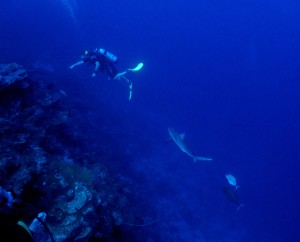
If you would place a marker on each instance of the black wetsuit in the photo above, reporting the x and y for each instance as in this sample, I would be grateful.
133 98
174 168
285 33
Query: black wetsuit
106 66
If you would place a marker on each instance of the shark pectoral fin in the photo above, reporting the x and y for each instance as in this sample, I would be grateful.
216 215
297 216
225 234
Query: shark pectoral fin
196 158
182 136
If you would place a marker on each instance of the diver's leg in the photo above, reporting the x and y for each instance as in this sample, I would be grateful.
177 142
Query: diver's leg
130 86
121 75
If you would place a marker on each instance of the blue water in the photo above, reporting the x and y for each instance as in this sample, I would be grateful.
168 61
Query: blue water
225 73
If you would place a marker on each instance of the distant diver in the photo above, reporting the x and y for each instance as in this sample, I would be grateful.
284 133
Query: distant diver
105 61
178 139
232 196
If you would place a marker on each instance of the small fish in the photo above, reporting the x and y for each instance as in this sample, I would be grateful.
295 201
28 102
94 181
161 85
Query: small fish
231 180
232 196
178 139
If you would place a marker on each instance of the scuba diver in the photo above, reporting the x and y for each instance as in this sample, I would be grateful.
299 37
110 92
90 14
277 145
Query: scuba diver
105 61
232 196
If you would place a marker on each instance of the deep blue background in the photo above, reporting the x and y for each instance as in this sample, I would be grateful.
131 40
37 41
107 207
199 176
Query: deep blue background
225 73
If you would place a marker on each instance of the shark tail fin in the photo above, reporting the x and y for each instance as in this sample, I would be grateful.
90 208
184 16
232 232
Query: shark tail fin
196 158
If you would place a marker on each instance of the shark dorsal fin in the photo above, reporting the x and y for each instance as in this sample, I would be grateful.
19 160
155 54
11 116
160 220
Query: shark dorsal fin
182 136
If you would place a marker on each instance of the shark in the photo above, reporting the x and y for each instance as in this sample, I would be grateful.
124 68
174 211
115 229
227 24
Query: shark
71 7
178 139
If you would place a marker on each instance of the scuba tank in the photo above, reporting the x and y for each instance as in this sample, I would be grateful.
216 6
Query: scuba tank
112 58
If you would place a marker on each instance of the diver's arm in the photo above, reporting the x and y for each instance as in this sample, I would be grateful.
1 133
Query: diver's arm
97 65
76 64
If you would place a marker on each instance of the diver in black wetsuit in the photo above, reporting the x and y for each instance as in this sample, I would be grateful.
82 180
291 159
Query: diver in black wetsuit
105 61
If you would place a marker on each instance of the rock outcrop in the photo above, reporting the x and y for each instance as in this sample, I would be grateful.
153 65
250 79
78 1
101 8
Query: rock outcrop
11 73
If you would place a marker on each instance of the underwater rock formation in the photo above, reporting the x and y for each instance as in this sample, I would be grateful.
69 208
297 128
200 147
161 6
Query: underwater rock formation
52 160
11 73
